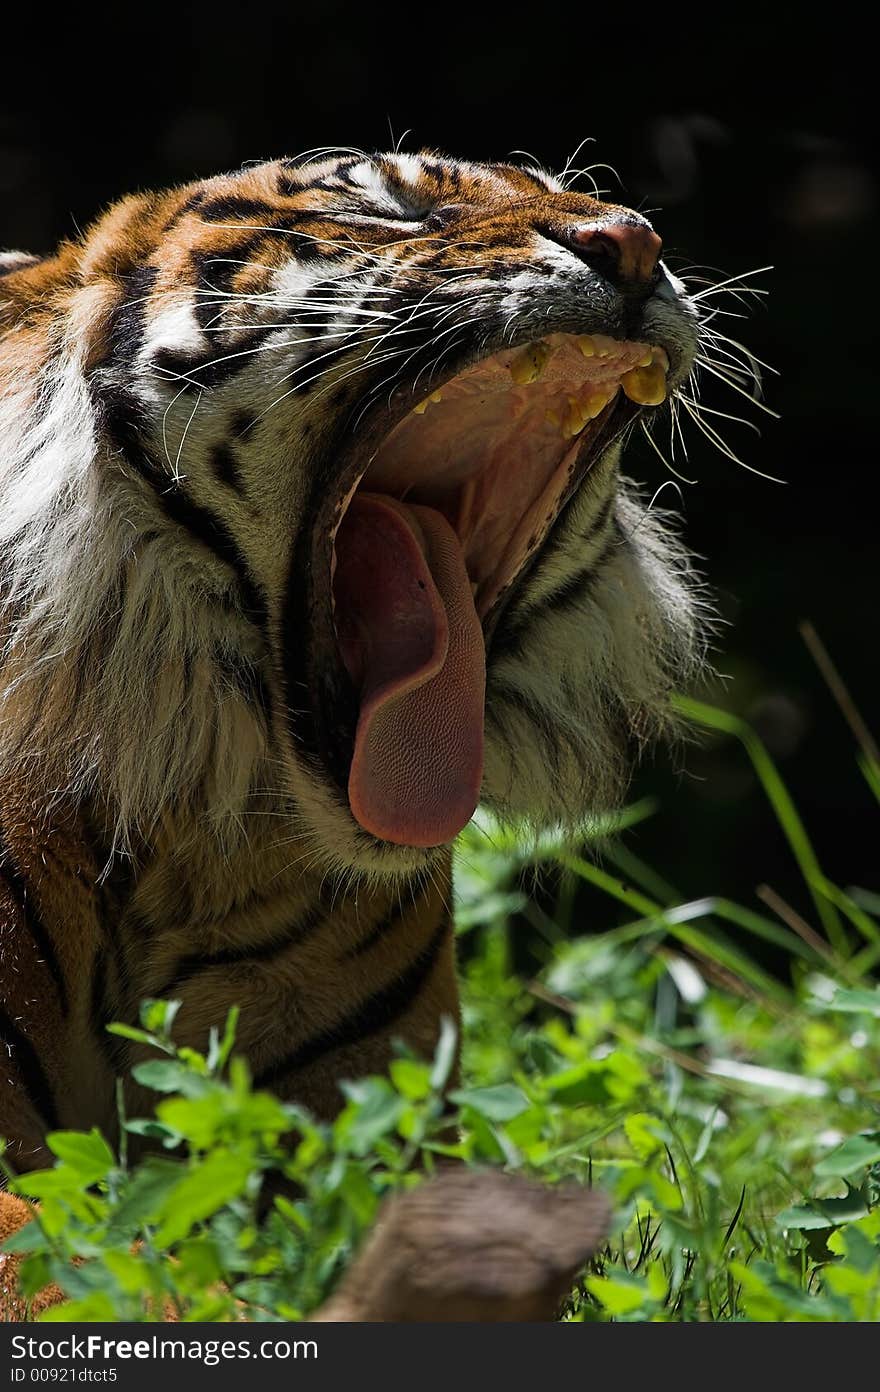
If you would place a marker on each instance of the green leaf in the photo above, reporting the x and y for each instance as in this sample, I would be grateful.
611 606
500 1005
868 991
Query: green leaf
824 1213
372 1113
585 1083
500 1103
855 1154
645 1133
200 1121
803 1217
619 1294
855 1002
209 1185
359 1194
411 1078
139 1036
157 1016
143 1196
219 1050
30 1238
87 1155
97 1308
169 1075
445 1054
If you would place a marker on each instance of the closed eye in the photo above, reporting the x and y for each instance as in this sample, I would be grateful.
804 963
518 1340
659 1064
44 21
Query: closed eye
400 220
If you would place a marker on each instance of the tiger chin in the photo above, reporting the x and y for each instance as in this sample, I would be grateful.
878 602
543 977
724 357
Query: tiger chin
312 536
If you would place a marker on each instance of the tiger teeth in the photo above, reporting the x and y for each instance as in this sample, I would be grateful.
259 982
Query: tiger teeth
659 355
644 383
597 401
573 421
646 386
530 363
597 345
605 346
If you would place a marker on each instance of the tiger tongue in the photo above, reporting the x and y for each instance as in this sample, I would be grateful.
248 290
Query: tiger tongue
411 641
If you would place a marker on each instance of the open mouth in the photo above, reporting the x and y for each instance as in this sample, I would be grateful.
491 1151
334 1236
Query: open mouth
427 543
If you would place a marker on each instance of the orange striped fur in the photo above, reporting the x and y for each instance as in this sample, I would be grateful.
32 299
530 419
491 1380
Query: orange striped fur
180 390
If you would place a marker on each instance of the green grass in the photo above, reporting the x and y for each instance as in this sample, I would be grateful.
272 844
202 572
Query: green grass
734 1116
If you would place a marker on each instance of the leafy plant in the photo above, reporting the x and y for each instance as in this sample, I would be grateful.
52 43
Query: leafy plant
734 1117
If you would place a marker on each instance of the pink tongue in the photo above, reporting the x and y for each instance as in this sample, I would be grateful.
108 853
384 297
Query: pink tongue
411 640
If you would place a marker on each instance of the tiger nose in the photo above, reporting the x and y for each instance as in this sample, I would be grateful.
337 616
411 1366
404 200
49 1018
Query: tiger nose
625 252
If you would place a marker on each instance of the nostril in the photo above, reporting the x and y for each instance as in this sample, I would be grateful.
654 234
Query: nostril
599 251
626 253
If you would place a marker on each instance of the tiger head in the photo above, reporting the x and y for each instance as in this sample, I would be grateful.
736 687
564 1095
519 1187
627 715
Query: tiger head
311 503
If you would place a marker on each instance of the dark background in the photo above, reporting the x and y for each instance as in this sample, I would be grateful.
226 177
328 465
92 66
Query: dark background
748 138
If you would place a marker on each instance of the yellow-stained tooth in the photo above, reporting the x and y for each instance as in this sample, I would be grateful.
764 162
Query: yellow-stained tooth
528 367
604 345
421 408
438 396
646 386
659 355
595 403
587 346
576 418
646 359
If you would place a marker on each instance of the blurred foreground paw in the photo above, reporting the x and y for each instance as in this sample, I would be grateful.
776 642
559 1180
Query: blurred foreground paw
472 1246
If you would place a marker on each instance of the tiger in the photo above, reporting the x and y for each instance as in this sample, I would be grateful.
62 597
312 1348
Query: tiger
313 536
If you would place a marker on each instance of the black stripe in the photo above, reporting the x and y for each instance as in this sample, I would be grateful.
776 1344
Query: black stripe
126 329
214 367
571 593
575 589
23 899
600 521
24 1056
207 528
196 962
376 1013
381 929
102 1013
123 421
213 273
552 739
233 205
247 679
242 423
226 467
189 205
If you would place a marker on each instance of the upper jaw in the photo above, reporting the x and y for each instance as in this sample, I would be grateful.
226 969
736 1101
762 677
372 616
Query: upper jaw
333 699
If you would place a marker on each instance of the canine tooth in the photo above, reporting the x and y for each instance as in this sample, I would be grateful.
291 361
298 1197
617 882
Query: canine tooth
660 356
528 367
646 359
605 346
587 346
595 404
575 419
646 386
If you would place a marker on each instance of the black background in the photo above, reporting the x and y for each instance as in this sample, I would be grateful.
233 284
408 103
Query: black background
746 135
